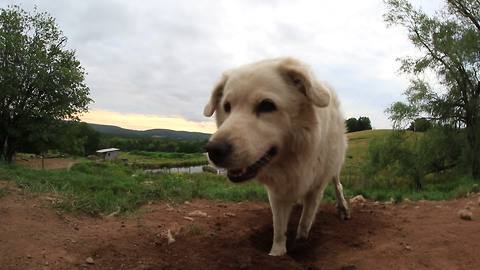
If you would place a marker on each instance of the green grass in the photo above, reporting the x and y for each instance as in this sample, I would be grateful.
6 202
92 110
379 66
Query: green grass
357 153
104 187
443 188
157 160
3 192
438 187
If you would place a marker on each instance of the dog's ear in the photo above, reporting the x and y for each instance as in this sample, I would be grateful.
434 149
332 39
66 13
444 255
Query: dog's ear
299 75
217 93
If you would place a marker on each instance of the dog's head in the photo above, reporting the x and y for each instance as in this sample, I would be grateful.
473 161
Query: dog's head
258 108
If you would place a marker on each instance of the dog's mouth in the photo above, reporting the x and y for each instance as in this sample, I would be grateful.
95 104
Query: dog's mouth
243 174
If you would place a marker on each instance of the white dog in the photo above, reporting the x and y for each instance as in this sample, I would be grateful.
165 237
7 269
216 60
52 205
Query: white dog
278 124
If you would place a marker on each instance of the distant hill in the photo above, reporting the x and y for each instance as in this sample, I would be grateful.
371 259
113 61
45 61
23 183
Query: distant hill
161 133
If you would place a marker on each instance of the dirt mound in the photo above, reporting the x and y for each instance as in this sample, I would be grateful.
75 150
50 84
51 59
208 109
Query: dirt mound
421 235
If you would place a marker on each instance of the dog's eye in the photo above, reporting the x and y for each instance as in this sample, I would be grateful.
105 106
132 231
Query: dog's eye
266 106
227 107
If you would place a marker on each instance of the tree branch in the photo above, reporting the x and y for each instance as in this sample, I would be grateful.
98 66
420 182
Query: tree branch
462 9
442 61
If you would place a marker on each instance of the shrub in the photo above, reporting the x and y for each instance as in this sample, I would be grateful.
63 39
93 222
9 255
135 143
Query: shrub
411 157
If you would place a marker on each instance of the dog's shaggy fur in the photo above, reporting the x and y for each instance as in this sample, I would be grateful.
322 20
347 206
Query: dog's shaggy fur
280 125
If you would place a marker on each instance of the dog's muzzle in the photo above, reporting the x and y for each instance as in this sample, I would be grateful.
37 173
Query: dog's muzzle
243 174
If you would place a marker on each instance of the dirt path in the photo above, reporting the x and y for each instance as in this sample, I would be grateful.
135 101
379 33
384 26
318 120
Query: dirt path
423 235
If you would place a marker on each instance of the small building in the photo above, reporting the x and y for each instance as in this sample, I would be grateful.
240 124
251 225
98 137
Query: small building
109 153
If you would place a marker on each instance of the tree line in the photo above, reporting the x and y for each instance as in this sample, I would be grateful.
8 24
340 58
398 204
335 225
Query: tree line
151 144
80 139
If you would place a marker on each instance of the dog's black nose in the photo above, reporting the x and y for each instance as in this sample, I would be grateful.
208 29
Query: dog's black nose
218 152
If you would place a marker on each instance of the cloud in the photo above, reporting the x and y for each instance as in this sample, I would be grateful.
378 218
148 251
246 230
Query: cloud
163 57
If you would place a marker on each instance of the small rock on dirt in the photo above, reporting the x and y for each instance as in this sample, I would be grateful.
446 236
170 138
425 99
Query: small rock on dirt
188 218
89 260
465 214
197 213
174 228
170 238
114 213
229 214
358 199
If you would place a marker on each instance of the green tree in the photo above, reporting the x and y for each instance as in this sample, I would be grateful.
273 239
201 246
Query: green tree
395 156
420 125
449 45
351 124
41 81
75 138
362 123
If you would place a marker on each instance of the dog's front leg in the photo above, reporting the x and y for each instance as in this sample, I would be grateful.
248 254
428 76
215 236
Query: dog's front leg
281 213
342 205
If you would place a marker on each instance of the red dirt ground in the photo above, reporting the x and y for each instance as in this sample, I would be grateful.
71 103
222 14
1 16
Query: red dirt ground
421 235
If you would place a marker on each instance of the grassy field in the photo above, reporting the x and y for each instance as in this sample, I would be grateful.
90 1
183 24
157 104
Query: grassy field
102 188
97 188
437 187
357 153
157 160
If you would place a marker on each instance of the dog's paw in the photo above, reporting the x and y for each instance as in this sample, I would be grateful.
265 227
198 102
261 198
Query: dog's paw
301 238
343 212
299 246
302 235
278 251
300 242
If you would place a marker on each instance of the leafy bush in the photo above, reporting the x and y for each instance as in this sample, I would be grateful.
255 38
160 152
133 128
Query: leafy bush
406 156
420 125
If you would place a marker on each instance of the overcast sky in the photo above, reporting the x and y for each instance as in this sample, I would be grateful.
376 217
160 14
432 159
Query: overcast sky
152 64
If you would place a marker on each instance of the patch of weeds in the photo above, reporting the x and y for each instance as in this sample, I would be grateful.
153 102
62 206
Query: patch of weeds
3 192
194 229
398 198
